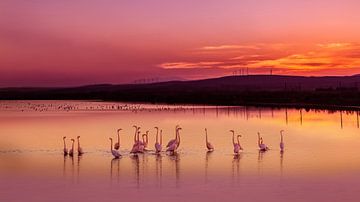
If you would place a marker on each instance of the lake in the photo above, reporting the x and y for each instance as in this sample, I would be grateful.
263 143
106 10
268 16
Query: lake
321 160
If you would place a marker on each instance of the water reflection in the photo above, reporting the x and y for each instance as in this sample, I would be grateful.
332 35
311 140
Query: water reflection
207 156
136 164
115 162
175 158
261 155
281 163
158 169
236 167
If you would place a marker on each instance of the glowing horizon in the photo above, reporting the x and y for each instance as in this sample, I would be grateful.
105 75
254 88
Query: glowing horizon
54 43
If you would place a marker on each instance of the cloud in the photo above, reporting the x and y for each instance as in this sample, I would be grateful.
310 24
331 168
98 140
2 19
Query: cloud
283 58
188 65
227 47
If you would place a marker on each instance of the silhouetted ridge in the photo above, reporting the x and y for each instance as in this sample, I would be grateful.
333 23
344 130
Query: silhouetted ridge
229 90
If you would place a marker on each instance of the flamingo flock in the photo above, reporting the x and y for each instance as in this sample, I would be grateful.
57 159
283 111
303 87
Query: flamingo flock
71 151
140 145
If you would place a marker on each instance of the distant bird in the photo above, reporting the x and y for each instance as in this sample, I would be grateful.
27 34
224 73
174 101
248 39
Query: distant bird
145 141
237 146
65 149
115 153
71 152
138 146
117 145
80 151
158 145
209 146
282 145
261 144
175 144
173 140
135 145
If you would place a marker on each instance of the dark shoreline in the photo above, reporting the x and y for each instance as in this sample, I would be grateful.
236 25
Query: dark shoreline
328 93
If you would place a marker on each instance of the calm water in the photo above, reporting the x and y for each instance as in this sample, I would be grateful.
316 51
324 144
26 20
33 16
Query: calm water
321 159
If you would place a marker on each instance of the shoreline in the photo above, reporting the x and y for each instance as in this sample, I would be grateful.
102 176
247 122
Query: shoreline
305 106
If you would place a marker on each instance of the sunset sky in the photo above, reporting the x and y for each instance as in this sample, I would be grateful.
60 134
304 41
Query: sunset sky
64 43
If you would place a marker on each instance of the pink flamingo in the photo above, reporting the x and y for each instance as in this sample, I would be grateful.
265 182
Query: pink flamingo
145 141
135 145
117 145
115 153
158 146
71 152
138 147
65 149
261 144
173 140
282 145
209 146
80 151
172 148
237 146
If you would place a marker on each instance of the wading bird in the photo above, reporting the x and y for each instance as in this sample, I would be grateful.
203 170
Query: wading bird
145 141
261 144
237 146
158 145
175 144
209 146
80 151
71 152
173 140
282 145
115 153
117 145
65 149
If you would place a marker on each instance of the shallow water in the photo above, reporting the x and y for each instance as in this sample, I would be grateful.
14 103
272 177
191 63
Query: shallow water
321 160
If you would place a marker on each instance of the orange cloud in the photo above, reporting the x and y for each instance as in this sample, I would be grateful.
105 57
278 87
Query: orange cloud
284 58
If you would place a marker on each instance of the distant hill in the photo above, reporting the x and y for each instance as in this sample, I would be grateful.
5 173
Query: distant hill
230 90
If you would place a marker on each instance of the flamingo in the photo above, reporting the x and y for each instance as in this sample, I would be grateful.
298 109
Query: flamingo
209 146
282 146
261 144
71 152
172 148
138 146
65 149
237 146
158 146
145 141
80 151
115 153
173 140
117 145
136 129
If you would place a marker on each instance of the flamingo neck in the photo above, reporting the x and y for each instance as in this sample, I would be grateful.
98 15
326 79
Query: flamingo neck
160 137
135 135
111 142
118 137
157 134
206 137
233 138
178 134
72 147
64 144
